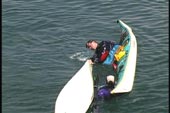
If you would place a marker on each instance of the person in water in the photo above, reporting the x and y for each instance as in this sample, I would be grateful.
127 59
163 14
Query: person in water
104 92
102 50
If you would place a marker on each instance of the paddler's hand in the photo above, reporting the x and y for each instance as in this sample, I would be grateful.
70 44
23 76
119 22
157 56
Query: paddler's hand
90 62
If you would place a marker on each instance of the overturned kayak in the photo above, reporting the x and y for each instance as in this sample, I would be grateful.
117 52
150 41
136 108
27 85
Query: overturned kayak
78 94
125 64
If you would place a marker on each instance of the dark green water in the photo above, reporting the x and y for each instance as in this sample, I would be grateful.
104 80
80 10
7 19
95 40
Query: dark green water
43 46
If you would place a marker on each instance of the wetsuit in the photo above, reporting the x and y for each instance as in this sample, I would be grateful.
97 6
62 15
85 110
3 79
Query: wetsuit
102 51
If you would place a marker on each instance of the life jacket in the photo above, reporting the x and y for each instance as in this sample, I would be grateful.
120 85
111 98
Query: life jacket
119 53
104 55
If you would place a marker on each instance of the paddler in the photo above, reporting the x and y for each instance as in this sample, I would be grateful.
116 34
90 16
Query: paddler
102 50
104 91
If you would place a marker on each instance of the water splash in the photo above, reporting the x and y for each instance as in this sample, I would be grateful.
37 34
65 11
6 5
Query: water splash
81 56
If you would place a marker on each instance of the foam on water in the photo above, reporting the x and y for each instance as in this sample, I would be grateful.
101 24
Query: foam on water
81 56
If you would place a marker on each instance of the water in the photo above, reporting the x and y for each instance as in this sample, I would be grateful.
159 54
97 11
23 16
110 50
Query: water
43 46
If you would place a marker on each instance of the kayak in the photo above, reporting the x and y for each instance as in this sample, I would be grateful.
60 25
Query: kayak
77 95
125 64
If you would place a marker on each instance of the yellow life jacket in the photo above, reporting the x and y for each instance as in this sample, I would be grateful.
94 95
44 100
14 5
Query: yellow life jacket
119 53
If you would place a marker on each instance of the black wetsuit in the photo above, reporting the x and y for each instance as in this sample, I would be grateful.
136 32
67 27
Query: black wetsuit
102 51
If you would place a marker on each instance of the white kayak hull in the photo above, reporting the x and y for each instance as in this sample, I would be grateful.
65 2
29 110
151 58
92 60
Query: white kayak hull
78 93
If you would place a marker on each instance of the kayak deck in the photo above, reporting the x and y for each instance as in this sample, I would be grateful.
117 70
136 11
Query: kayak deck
127 65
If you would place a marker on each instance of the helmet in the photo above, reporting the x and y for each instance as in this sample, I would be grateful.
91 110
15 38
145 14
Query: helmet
110 78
